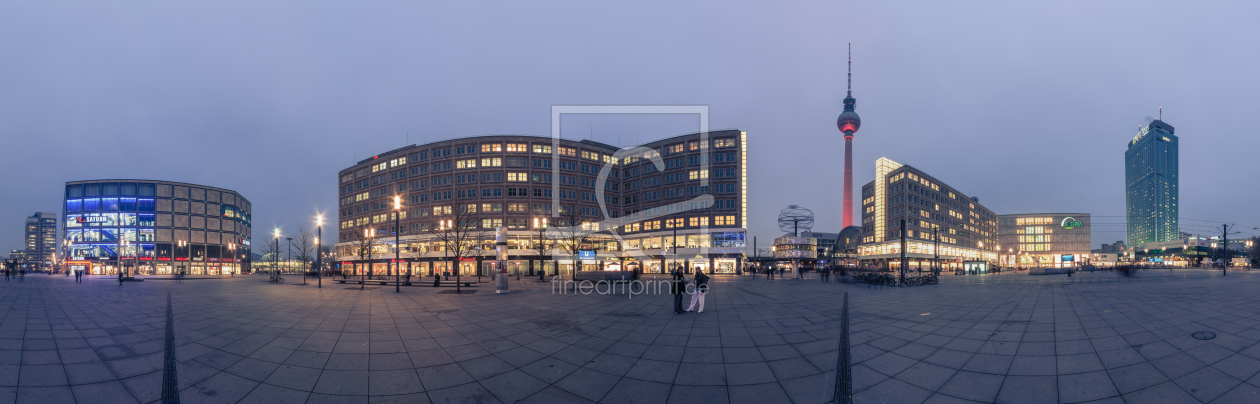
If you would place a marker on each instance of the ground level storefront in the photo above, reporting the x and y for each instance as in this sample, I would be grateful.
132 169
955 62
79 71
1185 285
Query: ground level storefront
148 267
526 266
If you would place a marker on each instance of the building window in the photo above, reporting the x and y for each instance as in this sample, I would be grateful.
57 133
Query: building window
492 162
491 148
540 149
699 221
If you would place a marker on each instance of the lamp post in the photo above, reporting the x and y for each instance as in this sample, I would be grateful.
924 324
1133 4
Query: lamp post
319 252
122 256
232 248
397 248
65 253
181 244
288 262
275 254
540 229
370 234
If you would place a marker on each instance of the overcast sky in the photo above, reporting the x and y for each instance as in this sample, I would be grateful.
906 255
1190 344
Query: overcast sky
1026 105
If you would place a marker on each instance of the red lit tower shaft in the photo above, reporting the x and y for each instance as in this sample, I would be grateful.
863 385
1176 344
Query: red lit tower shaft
848 182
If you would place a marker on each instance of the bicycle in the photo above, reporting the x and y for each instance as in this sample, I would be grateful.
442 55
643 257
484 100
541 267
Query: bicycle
276 278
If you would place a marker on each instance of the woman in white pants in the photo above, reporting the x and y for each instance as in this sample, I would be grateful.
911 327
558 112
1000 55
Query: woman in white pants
702 287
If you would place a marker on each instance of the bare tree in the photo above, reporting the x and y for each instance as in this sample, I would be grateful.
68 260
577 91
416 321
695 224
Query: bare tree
361 245
571 232
460 235
269 248
304 246
540 234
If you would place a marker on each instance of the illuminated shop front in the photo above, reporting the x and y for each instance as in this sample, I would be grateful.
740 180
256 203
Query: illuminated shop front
1044 240
155 228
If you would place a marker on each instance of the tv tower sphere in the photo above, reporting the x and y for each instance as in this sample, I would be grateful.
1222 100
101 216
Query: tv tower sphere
848 122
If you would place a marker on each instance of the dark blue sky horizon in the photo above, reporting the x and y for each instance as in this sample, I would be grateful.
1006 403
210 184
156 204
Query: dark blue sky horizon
1027 106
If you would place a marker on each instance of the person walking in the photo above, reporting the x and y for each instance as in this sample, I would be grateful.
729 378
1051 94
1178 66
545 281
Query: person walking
6 274
697 294
676 287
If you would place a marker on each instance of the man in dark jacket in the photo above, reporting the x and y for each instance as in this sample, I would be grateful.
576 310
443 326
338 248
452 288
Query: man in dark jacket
676 287
702 287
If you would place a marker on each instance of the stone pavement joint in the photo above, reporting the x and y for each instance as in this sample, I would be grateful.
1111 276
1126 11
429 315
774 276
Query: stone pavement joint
999 338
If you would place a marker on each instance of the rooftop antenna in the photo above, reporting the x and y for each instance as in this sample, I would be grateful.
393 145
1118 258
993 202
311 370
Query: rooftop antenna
850 69
1161 114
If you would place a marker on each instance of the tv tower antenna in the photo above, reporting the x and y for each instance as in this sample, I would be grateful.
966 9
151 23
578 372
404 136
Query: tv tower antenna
851 70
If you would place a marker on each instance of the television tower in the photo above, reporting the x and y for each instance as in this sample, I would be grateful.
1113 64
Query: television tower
848 124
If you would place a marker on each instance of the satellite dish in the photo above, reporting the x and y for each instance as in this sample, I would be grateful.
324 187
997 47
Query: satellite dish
795 219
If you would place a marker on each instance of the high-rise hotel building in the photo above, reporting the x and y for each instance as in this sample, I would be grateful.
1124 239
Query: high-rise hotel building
934 214
40 241
1150 175
686 191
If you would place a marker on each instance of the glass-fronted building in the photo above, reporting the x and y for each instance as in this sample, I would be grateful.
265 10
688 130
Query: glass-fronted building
934 214
154 227
1041 240
638 203
1150 174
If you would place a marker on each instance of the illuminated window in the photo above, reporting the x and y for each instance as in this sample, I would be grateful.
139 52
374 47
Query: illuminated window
724 220
491 223
698 174
491 148
471 163
724 143
518 177
540 149
678 148
693 146
567 151
492 162
517 147
517 207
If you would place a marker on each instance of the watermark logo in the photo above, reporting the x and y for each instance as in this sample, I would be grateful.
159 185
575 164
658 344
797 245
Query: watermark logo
612 219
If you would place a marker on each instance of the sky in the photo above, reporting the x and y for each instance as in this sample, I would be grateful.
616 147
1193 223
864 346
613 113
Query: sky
1026 105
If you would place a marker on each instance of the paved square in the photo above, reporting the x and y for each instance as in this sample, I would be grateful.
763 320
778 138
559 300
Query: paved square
995 338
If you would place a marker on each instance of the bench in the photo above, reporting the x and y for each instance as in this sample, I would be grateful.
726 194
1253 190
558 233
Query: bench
467 284
404 281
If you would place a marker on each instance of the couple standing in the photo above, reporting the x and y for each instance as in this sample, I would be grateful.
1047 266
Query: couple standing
679 286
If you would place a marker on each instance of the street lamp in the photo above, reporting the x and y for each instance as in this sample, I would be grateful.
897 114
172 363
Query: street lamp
65 253
275 254
319 253
540 228
397 248
181 244
232 248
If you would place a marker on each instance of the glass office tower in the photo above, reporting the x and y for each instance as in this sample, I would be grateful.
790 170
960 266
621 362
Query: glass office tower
1150 171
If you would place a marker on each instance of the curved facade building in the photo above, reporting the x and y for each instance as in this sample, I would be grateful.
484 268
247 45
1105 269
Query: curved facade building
154 228
641 202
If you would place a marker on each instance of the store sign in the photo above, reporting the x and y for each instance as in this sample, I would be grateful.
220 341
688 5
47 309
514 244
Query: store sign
1070 223
587 254
1068 257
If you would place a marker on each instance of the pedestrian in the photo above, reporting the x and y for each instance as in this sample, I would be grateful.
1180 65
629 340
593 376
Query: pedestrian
120 278
676 287
697 293
6 274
